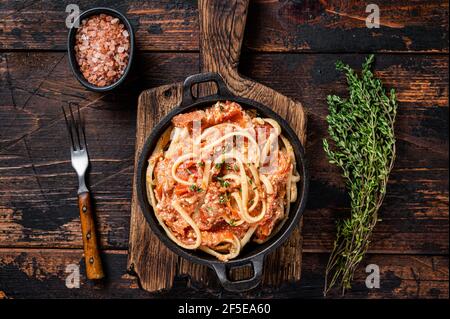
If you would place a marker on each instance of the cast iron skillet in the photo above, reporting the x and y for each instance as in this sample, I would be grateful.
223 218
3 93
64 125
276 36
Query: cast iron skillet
252 254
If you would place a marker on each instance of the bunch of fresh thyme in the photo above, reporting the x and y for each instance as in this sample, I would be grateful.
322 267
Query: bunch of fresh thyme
362 129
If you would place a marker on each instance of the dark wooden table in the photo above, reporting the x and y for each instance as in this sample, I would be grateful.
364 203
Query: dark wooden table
290 46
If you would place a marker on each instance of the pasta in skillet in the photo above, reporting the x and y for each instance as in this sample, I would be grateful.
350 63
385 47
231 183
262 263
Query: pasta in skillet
221 177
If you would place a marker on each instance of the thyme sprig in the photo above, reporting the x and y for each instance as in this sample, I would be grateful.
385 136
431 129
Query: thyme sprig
362 129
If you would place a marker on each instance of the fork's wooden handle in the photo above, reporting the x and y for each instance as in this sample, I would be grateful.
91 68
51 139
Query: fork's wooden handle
94 268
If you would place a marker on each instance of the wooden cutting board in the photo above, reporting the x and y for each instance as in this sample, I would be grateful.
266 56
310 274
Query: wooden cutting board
222 25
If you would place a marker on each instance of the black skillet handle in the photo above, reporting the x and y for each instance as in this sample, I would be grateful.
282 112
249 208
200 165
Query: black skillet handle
240 285
222 90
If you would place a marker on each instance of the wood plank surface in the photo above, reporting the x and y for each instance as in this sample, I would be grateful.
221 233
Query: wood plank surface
41 273
273 26
39 226
37 184
149 259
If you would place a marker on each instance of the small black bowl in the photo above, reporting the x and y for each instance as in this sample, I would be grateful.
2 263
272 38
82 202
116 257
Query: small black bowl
71 48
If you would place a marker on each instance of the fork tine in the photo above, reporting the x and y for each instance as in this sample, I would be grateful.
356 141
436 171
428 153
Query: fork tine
69 129
81 126
77 133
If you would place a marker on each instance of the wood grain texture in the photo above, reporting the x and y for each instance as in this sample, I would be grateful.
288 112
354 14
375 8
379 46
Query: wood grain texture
36 211
93 262
38 185
274 26
42 273
39 224
340 26
148 258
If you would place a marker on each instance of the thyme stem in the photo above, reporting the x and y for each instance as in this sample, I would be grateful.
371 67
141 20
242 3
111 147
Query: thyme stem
362 130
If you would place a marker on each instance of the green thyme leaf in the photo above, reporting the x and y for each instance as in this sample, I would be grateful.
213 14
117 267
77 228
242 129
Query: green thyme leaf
362 144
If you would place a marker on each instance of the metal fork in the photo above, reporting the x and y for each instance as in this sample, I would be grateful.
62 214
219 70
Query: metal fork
80 162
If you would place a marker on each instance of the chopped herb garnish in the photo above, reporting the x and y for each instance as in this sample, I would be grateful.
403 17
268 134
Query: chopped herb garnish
232 222
195 188
223 199
201 164
219 165
251 201
236 167
223 182
228 167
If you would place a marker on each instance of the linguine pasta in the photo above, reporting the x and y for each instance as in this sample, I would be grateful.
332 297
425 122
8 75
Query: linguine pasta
220 178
